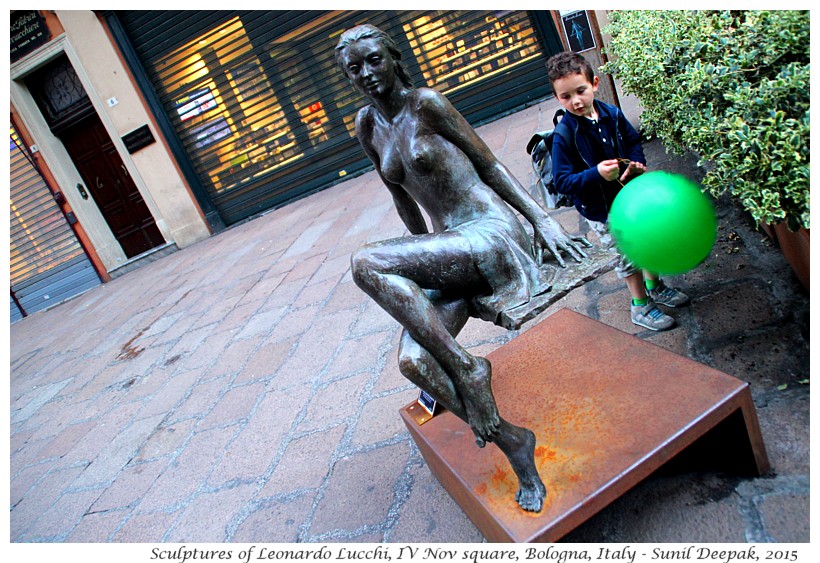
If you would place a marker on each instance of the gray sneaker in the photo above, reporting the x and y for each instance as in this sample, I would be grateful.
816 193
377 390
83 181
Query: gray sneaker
668 296
649 316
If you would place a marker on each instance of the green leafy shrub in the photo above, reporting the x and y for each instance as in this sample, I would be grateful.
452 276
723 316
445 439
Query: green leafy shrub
731 86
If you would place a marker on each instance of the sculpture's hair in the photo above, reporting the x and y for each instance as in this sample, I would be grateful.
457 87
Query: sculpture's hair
566 63
368 31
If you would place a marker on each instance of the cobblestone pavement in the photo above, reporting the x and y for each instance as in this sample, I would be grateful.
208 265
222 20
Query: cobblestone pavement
244 390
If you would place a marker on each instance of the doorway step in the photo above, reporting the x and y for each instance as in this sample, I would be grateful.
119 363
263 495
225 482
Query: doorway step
142 259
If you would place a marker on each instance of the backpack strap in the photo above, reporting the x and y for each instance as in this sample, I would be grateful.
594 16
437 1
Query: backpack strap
542 135
561 128
568 135
563 131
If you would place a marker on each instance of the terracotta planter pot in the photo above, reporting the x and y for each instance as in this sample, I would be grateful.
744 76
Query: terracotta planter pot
795 248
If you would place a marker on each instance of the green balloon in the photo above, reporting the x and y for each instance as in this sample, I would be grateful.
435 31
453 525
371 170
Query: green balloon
663 223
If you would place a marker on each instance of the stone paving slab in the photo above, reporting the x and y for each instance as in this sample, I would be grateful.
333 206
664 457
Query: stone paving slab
244 390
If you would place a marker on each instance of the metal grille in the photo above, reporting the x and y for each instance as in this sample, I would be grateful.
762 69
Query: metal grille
47 263
265 116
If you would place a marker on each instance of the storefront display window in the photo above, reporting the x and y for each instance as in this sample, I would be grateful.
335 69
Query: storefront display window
455 49
293 70
260 107
228 113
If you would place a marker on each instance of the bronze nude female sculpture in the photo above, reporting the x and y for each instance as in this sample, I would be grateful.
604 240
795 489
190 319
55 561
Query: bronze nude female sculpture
477 261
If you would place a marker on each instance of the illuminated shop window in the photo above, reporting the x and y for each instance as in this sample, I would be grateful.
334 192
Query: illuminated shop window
297 74
305 63
457 49
258 98
226 110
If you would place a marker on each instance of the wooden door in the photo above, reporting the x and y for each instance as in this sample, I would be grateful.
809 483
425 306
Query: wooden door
107 181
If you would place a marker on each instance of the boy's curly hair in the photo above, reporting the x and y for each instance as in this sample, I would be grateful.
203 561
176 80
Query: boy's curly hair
566 63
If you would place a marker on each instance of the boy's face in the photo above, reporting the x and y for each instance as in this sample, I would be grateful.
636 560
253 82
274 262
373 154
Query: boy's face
576 93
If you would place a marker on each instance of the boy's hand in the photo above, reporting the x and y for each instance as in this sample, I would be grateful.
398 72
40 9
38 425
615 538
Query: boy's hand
608 169
634 169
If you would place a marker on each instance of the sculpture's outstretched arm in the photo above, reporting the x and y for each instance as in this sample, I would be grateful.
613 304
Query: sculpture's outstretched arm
437 112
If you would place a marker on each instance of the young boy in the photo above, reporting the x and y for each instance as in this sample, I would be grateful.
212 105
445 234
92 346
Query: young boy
605 154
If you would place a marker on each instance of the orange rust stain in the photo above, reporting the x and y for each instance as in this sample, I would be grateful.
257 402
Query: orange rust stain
499 488
574 477
499 476
544 454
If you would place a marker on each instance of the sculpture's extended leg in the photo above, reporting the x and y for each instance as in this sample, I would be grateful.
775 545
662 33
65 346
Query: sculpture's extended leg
394 272
517 443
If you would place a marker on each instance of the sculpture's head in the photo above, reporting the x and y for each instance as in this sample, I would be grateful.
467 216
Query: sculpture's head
370 38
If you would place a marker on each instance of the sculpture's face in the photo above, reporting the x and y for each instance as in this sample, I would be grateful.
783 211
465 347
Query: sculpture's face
369 67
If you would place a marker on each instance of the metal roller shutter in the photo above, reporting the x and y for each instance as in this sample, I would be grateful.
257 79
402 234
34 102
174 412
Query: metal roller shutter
48 264
263 114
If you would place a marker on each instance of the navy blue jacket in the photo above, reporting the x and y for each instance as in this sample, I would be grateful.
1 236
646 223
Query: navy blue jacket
575 167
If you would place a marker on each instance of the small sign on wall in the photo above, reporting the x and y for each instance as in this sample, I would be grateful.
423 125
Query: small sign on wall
577 30
137 139
28 31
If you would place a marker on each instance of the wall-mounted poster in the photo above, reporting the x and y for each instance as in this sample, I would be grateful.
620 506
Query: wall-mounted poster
195 103
578 30
210 132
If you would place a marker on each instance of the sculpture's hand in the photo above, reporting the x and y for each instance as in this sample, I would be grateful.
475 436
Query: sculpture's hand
550 235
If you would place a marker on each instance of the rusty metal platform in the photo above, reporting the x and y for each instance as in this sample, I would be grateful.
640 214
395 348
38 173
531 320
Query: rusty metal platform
608 409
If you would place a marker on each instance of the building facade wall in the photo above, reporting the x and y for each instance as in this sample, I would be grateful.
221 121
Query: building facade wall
168 196
82 38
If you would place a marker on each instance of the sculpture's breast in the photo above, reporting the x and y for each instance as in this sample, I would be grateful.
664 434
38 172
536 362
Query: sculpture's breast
392 165
423 154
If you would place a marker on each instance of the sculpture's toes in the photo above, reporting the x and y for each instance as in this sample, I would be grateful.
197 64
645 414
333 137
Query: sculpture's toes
486 431
482 411
531 498
495 424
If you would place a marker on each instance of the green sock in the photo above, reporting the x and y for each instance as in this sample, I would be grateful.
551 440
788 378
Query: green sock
640 302
651 284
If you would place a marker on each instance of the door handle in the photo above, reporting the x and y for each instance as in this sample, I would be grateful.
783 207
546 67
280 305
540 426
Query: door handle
82 191
124 169
99 184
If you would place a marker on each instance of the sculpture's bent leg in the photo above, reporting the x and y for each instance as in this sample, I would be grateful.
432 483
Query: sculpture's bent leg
518 444
394 272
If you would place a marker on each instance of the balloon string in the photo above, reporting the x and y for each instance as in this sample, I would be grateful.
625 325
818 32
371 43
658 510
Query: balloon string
622 161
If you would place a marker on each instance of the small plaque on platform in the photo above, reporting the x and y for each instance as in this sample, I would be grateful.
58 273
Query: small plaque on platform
427 401
423 409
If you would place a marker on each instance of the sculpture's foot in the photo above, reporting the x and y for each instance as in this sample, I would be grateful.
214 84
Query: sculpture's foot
476 392
531 490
